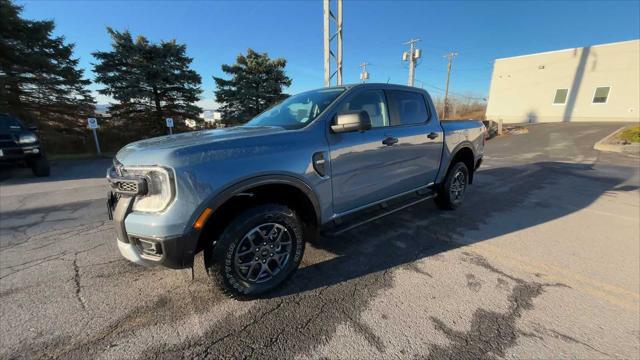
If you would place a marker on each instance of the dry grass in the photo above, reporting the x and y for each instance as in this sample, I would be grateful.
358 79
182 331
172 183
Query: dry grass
631 135
111 138
475 115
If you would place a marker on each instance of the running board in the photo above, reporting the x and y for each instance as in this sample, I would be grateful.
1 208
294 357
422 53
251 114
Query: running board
340 225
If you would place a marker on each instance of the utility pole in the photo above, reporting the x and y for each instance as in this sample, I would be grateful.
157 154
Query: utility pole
328 54
364 75
411 56
327 42
449 56
339 33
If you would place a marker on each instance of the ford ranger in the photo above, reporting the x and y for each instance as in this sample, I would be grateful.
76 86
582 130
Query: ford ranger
250 196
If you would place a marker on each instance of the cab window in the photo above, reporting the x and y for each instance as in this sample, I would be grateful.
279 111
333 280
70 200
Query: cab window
374 103
407 107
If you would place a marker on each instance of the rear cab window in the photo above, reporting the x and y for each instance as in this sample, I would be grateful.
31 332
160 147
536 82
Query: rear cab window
407 107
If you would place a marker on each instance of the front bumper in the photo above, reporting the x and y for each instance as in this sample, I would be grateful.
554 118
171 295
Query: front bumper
148 249
20 154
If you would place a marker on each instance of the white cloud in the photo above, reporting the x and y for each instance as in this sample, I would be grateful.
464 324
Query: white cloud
208 104
102 99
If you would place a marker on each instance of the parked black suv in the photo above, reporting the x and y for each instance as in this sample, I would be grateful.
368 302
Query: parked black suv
19 145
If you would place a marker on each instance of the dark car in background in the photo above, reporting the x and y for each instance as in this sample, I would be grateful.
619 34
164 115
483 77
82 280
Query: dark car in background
20 146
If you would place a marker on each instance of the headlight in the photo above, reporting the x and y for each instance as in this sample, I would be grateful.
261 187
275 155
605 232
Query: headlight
27 139
161 188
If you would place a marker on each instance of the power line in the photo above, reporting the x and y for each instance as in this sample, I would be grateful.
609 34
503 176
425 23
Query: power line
456 94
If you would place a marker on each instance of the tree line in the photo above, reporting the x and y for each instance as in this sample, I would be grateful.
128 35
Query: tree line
42 83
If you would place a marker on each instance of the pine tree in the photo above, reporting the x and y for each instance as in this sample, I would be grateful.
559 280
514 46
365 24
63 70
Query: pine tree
40 81
256 83
150 82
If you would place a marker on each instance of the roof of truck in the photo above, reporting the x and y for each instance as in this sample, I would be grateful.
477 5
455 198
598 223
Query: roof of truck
379 86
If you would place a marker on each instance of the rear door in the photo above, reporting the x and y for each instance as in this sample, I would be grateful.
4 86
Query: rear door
420 138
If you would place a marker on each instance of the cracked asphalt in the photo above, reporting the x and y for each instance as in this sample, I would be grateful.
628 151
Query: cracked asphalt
542 261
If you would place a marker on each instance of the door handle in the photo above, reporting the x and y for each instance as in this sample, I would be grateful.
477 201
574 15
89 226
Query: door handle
390 140
432 135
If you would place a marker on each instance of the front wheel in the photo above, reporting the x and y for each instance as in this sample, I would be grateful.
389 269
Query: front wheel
40 167
451 193
257 251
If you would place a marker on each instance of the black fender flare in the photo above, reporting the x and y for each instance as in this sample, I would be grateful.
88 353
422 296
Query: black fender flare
448 157
247 184
192 236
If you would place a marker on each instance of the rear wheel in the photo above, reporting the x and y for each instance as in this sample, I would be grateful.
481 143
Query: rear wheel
40 167
451 193
257 251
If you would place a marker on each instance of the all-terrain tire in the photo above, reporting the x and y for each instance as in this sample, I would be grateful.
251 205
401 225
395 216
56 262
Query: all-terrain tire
40 167
221 258
451 193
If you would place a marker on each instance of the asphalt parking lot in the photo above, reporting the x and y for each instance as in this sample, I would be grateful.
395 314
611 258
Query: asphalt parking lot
542 261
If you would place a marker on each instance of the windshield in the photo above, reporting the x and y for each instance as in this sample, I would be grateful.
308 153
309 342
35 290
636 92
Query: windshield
8 123
297 111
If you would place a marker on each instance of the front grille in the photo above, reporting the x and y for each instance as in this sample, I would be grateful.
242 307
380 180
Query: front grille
128 187
8 142
7 151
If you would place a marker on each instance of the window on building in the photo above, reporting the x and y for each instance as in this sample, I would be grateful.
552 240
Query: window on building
407 107
561 96
601 95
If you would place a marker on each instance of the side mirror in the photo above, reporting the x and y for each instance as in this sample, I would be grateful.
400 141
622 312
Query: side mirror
33 128
351 121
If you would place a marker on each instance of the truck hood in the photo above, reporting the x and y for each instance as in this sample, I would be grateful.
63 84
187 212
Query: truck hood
159 150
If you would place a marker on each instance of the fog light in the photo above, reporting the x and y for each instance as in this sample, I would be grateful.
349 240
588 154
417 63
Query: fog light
150 247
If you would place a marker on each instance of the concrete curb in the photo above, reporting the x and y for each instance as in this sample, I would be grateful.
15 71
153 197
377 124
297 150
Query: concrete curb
603 145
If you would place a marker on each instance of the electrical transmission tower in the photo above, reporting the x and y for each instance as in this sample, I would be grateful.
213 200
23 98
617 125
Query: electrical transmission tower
449 56
328 38
411 56
364 75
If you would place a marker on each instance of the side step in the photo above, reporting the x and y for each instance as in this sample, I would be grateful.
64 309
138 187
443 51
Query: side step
375 212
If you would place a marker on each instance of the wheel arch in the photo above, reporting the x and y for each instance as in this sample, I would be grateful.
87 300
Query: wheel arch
283 189
463 152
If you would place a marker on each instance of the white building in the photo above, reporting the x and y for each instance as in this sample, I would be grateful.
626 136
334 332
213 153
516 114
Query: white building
592 83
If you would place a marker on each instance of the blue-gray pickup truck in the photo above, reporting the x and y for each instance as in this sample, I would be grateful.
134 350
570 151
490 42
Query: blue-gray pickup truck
250 196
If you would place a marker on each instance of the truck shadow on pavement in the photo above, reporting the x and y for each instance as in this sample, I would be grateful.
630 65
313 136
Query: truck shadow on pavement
424 231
